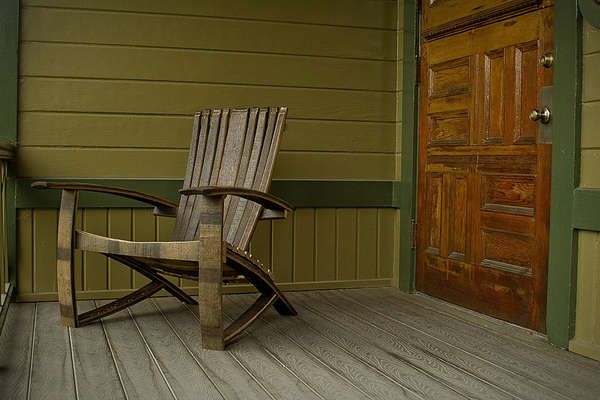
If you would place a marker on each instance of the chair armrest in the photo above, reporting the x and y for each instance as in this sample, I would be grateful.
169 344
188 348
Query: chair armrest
266 200
163 206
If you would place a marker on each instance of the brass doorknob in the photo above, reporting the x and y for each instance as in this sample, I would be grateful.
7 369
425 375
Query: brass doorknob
547 60
544 116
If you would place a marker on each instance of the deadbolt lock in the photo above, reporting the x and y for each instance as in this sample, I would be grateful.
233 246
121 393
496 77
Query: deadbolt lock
544 116
547 60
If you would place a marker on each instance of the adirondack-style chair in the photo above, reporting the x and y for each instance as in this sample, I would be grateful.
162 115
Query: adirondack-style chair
225 193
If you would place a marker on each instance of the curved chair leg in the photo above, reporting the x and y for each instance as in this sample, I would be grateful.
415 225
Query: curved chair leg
65 272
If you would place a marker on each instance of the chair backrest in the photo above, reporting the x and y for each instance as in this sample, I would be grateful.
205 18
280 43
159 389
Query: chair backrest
231 147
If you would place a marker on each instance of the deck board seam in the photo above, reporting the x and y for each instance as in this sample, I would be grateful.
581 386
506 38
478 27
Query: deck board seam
238 361
73 369
361 361
531 379
151 354
315 357
280 362
112 355
436 378
424 350
187 348
32 350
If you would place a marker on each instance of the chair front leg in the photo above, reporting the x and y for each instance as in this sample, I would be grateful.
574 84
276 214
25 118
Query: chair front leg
210 272
65 271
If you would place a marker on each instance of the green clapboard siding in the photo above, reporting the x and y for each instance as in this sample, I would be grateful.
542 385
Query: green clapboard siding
587 324
109 103
107 90
312 248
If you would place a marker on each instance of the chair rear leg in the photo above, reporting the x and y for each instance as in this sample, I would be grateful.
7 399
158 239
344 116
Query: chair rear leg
65 272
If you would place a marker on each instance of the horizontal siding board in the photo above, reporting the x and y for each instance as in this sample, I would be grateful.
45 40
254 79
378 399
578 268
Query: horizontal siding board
359 13
591 78
590 165
170 164
166 98
590 121
591 39
152 131
586 203
178 31
140 63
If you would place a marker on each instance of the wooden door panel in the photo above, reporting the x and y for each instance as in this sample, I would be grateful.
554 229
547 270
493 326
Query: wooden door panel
482 222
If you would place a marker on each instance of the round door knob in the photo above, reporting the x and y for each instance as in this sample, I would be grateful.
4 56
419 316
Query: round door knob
547 60
544 116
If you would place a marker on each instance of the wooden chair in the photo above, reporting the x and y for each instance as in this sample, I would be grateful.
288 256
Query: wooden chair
225 193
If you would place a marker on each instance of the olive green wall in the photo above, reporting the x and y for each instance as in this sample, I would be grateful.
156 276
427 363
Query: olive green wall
587 324
108 88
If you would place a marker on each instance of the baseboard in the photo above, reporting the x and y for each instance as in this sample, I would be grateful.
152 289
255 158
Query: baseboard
587 349
228 289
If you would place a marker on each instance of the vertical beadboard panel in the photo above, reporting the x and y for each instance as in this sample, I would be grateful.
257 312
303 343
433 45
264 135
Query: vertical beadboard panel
304 245
44 249
367 243
587 323
325 251
25 251
282 248
387 241
95 266
311 245
260 245
346 244
119 227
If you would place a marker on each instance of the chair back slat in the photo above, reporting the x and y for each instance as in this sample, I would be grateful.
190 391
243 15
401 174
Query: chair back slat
234 147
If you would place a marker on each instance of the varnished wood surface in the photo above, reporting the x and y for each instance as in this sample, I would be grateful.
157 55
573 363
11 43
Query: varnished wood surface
350 344
484 180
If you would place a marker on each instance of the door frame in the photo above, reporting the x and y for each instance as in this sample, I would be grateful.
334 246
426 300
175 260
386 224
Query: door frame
562 262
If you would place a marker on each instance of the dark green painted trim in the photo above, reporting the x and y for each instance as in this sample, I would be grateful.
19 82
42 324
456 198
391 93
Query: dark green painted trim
562 264
586 209
337 194
9 64
407 189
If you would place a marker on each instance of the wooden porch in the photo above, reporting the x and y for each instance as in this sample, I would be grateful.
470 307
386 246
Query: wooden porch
344 344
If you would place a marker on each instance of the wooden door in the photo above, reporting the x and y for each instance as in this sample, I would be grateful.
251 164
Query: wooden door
484 176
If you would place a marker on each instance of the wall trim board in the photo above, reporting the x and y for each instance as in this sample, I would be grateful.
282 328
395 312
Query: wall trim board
9 65
562 263
586 203
228 289
300 193
582 347
407 187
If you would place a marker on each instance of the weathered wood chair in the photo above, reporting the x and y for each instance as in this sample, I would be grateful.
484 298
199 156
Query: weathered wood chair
225 193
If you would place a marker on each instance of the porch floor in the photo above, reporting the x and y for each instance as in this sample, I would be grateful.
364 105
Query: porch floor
344 344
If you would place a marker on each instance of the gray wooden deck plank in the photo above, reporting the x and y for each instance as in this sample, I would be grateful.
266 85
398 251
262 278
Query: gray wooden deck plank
355 333
234 380
15 351
96 375
502 351
186 378
139 373
496 327
267 369
52 367
349 316
351 372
